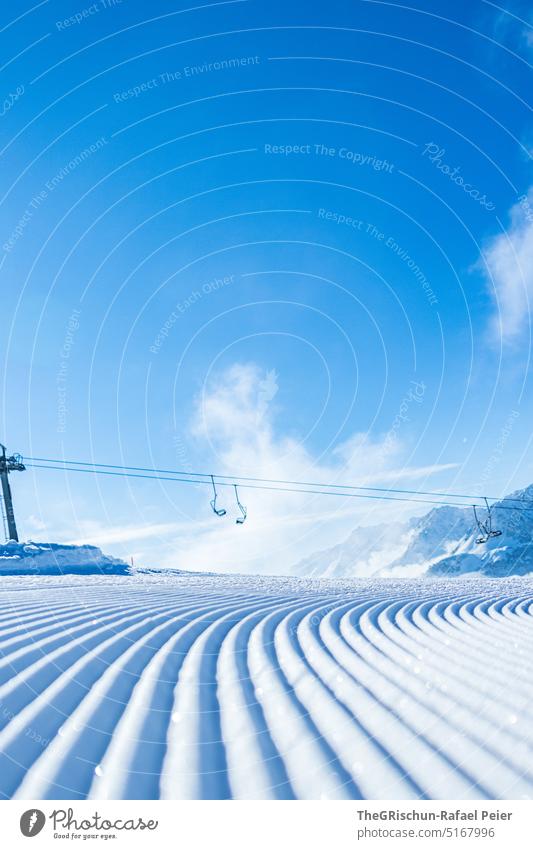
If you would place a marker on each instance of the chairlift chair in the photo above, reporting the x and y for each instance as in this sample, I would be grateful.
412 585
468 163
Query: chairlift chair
240 519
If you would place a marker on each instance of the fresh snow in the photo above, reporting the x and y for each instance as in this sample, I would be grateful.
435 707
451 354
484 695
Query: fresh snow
191 686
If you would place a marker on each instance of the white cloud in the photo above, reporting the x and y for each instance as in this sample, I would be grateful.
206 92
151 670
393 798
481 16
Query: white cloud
509 269
91 533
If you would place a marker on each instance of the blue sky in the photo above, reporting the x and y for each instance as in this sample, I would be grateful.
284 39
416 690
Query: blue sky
276 240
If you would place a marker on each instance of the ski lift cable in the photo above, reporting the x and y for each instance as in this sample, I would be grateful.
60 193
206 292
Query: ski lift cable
232 478
486 531
206 479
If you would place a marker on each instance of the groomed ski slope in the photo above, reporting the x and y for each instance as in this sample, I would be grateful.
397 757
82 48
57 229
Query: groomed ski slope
204 686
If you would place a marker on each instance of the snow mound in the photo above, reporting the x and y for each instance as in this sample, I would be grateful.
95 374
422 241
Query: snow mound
38 558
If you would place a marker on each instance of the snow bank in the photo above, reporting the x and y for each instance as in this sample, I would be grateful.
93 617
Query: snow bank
38 558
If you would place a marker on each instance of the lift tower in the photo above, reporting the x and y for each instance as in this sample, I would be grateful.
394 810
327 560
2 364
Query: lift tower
9 464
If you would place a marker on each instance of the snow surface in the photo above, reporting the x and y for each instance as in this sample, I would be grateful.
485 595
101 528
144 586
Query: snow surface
30 558
190 686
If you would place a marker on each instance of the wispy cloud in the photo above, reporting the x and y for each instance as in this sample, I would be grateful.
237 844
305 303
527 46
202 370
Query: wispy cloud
509 269
412 472
238 427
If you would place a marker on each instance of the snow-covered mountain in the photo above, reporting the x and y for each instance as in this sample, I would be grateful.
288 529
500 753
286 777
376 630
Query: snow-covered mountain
195 686
441 543
38 558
